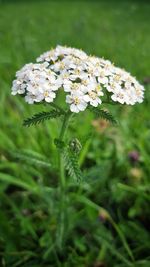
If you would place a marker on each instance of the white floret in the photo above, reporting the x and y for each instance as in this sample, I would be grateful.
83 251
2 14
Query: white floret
85 79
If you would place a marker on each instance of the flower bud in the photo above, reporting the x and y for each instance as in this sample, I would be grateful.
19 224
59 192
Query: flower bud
75 145
103 215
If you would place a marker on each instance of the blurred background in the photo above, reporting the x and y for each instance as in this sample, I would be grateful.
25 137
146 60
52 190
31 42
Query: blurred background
108 214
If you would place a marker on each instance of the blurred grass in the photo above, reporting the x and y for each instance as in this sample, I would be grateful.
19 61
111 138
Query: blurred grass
119 31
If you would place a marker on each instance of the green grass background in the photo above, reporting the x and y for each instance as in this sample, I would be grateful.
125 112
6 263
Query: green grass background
29 199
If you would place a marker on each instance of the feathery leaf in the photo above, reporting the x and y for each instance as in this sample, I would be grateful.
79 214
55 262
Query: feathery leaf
103 114
71 164
41 117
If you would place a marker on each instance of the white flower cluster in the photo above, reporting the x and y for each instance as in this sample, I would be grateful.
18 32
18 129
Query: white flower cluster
85 79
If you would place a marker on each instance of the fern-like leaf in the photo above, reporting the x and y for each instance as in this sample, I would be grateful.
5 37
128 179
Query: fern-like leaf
71 164
41 117
103 114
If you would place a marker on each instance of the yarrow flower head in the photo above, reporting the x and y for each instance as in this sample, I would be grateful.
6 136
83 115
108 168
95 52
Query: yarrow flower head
86 80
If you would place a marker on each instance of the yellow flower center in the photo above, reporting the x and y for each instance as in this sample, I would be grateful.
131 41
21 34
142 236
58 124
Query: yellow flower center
129 79
138 92
77 72
90 71
76 101
113 85
97 64
98 88
117 77
62 65
102 74
49 72
93 95
65 76
46 93
74 86
77 61
84 82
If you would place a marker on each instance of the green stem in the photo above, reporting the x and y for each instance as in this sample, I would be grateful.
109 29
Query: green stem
64 125
61 136
57 107
61 229
109 102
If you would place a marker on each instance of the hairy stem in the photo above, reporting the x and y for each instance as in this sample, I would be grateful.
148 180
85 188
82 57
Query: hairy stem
61 228
64 125
61 137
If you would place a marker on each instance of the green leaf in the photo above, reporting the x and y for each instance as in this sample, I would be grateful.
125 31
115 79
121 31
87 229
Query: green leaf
31 158
103 114
113 250
42 116
71 164
16 181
